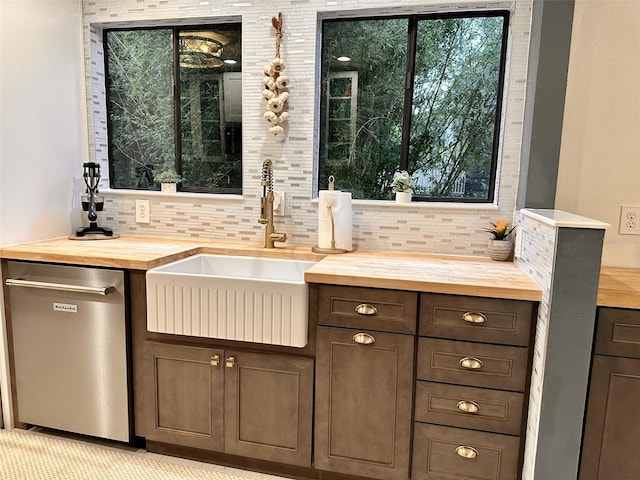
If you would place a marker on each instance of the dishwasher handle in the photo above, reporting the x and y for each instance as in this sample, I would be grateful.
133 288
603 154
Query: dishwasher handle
19 282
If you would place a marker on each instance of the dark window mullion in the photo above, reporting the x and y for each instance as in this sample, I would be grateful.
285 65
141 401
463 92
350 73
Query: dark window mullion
412 34
177 114
110 161
499 101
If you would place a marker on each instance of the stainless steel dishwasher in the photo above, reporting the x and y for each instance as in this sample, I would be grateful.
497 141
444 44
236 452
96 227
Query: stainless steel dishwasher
70 348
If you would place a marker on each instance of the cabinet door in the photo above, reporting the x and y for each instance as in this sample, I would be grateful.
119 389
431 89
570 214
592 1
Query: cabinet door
363 402
184 395
612 429
268 407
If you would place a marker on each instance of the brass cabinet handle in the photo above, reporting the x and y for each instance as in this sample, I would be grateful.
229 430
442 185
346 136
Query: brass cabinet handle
366 309
230 362
215 360
474 317
364 338
465 451
467 406
471 363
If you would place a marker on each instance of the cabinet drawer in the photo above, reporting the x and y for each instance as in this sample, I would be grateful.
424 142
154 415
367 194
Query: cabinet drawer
368 308
443 453
476 319
468 407
618 332
475 364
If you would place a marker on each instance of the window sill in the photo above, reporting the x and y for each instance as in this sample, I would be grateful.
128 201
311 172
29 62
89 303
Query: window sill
174 196
422 205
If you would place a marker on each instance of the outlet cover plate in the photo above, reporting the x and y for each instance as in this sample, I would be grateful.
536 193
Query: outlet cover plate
142 211
629 220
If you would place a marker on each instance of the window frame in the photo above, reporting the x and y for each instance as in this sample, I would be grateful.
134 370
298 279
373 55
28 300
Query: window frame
177 142
413 20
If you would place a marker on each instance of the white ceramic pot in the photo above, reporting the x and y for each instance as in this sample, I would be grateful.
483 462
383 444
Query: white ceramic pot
403 197
500 250
168 187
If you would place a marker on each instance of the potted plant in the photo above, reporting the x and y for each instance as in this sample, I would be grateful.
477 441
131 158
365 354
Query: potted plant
168 179
403 185
500 244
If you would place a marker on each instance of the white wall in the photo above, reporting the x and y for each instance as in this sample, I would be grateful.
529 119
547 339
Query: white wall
43 137
600 153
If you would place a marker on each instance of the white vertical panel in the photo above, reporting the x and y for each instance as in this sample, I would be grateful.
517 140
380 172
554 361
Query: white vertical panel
258 308
222 313
286 319
276 326
214 330
239 315
267 318
243 314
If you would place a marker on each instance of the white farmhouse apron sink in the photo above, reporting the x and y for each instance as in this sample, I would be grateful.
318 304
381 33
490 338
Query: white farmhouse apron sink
248 299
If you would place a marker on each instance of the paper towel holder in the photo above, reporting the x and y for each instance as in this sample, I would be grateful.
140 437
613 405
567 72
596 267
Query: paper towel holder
333 248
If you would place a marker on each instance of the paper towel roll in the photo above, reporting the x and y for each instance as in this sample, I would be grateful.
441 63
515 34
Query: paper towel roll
340 203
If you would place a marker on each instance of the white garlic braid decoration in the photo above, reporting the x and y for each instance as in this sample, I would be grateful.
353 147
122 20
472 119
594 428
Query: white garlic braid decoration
275 85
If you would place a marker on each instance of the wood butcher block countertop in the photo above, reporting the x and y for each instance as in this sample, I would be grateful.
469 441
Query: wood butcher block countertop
139 253
619 287
476 276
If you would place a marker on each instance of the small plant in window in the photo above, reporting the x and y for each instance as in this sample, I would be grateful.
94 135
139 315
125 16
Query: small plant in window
402 182
167 176
275 85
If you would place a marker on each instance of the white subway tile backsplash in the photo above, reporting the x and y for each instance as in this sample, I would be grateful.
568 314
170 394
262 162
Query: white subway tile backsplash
376 225
536 258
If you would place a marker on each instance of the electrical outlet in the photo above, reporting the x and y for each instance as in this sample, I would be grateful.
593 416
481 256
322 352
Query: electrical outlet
278 204
629 220
142 211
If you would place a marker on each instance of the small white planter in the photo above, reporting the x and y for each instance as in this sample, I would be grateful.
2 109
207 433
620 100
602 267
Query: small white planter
168 187
403 197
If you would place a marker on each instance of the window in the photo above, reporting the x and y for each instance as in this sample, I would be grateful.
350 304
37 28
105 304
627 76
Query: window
195 129
416 93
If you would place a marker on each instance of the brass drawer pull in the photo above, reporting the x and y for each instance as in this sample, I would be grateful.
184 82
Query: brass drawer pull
366 309
471 363
230 362
466 451
215 360
364 338
467 406
474 317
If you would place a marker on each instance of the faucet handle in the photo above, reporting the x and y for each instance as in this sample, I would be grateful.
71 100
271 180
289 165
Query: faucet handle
278 237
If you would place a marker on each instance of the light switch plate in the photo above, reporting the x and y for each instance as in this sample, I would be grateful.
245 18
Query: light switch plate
142 211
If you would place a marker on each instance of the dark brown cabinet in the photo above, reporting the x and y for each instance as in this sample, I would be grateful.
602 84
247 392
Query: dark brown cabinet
268 406
472 380
612 428
363 402
243 403
185 396
365 347
448 453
